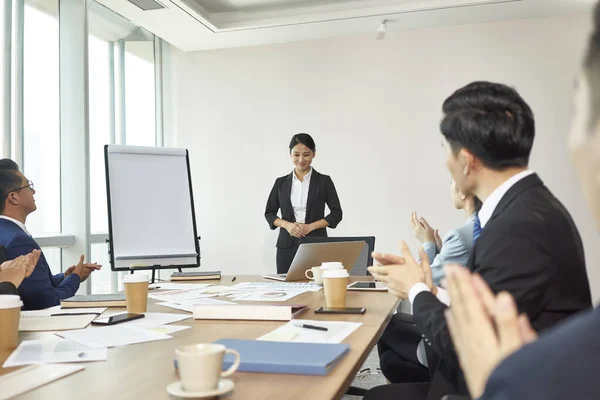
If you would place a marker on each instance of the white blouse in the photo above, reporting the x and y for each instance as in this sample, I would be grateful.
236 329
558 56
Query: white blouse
299 196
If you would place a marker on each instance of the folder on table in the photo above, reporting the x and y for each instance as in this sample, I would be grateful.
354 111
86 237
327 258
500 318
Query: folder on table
284 357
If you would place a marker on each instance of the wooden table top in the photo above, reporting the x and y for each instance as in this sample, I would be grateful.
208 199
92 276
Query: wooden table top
143 371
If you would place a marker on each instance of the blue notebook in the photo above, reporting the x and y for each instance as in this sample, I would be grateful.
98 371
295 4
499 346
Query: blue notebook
284 357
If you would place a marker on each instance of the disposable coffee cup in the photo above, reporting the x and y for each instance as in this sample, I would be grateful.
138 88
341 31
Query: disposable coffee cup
332 265
136 293
335 282
10 313
315 274
200 366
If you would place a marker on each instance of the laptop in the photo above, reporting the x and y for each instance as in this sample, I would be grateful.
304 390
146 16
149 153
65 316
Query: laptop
313 254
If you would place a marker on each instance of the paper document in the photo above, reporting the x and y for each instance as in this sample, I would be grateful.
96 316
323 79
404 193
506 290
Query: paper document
157 319
177 295
29 378
112 336
336 332
56 319
304 286
52 351
188 305
168 329
179 286
267 295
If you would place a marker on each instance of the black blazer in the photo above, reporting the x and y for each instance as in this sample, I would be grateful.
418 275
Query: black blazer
531 248
321 191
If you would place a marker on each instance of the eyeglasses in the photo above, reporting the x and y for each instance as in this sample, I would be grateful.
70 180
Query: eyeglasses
29 185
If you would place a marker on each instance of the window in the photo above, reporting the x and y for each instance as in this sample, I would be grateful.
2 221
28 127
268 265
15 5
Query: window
101 126
41 124
139 93
109 35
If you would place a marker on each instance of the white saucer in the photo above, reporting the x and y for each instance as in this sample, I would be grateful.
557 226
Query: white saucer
225 386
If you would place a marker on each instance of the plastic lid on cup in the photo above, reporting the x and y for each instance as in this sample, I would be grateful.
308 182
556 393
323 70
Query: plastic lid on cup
10 301
335 273
135 278
332 265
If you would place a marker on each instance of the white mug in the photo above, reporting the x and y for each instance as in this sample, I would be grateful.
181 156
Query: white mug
200 366
317 275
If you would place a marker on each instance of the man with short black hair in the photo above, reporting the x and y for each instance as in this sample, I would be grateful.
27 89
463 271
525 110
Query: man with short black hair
41 289
525 241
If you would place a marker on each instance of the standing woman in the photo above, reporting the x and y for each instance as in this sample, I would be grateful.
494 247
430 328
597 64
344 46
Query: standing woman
301 196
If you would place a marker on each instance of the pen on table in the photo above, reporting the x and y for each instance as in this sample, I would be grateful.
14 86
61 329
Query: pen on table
67 314
155 287
307 326
233 280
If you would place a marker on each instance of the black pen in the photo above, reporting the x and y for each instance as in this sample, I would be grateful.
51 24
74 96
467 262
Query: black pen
233 280
67 314
317 328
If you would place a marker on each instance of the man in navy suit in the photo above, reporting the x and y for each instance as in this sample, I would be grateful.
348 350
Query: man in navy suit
41 289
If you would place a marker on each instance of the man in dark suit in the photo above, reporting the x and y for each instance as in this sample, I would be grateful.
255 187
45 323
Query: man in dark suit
41 289
499 352
525 240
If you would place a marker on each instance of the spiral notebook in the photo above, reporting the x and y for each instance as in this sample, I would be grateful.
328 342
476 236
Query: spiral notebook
58 320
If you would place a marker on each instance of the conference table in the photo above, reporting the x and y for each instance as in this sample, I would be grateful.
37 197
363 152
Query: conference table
143 371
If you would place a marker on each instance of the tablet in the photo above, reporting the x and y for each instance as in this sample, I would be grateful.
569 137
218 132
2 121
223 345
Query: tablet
368 285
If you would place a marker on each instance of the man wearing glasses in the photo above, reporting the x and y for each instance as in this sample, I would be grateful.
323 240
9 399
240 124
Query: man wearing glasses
41 289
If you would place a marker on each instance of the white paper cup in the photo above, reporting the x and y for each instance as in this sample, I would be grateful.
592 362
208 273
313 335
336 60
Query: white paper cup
10 313
335 282
136 293
332 265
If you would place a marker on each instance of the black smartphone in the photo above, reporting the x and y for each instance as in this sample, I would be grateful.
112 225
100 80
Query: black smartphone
117 319
351 310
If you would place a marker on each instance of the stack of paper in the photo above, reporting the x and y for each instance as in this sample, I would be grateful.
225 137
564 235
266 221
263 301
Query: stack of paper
294 331
29 378
55 319
52 351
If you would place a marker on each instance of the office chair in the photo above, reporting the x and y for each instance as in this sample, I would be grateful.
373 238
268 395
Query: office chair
364 260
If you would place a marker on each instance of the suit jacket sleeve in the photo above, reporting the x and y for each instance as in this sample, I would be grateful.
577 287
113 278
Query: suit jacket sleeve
272 207
333 202
509 264
39 290
428 314
8 288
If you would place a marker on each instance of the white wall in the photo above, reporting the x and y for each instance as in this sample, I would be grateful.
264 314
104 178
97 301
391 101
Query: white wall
373 108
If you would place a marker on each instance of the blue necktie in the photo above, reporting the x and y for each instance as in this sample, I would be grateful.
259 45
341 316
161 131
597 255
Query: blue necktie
476 229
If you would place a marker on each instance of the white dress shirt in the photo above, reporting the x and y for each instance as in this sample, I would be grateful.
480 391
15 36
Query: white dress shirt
487 209
19 223
299 196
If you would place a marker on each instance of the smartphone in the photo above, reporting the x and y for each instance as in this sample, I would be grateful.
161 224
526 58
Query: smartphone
117 319
351 310
374 286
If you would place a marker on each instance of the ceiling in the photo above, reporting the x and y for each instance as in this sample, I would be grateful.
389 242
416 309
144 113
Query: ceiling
194 25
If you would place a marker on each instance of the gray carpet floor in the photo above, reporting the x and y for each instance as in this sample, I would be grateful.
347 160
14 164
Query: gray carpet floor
369 375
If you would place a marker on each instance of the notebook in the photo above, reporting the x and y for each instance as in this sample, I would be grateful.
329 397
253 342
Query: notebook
196 276
29 378
274 312
57 320
95 300
285 358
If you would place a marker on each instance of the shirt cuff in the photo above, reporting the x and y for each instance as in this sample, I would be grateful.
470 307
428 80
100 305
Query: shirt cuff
415 290
443 296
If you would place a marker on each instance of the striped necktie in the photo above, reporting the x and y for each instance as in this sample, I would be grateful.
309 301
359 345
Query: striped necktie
476 229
